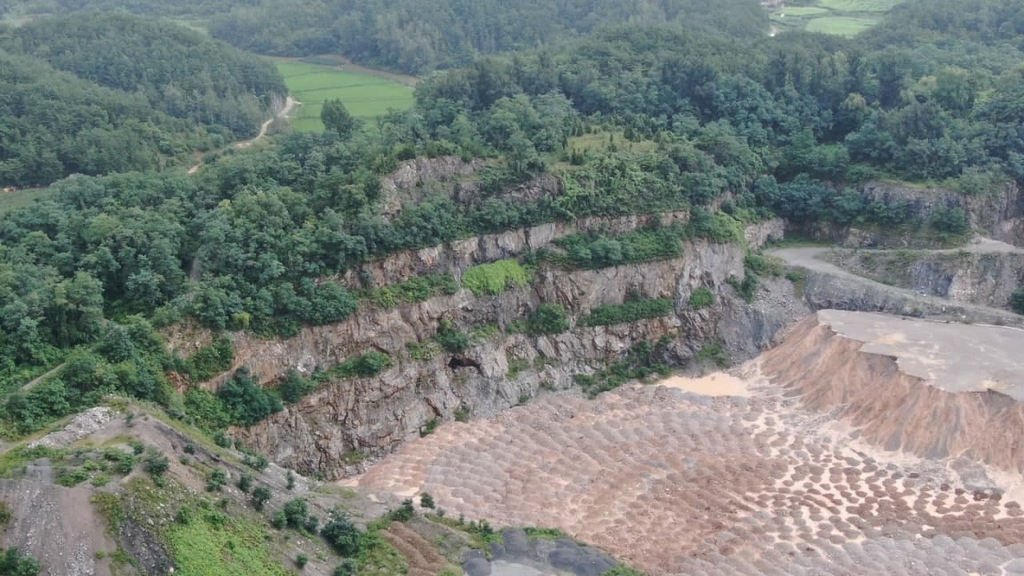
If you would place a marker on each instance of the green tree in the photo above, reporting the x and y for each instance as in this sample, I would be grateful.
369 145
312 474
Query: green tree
341 535
337 119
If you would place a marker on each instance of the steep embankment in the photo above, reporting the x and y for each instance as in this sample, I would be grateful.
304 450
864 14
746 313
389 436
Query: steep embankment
982 273
914 386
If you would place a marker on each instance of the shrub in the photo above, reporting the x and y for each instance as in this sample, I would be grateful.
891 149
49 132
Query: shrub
279 520
426 500
295 512
215 480
14 563
341 535
301 560
189 448
451 338
629 312
72 477
259 497
291 481
1017 301
548 319
257 462
746 288
294 386
155 463
245 482
701 298
589 251
405 512
346 568
211 360
310 524
496 277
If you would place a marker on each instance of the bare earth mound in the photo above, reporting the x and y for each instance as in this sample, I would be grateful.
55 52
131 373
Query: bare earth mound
682 483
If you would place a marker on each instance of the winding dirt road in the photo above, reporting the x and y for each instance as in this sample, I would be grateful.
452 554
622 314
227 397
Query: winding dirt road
289 105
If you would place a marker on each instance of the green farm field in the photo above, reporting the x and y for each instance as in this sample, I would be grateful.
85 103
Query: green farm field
839 17
365 94
10 201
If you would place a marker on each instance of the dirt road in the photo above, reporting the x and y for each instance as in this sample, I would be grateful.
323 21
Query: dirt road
289 105
811 258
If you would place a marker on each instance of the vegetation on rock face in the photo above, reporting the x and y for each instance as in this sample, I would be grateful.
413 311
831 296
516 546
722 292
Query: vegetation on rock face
548 319
495 278
630 311
1017 301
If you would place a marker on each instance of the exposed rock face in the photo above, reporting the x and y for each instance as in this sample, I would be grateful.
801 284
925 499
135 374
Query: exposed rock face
931 389
333 430
988 279
997 214
415 180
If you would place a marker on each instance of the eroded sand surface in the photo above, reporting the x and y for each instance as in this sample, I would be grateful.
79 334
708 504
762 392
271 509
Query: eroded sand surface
790 480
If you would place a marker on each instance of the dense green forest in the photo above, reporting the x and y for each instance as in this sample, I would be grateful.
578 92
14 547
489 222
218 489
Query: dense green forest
733 128
100 93
417 36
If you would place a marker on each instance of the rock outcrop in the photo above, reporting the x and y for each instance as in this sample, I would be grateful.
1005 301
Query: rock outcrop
996 213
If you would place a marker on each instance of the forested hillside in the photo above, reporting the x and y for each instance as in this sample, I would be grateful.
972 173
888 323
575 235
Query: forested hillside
633 119
417 36
94 94
180 71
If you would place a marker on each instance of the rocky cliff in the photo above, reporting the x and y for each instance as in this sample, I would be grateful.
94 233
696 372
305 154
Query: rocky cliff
346 423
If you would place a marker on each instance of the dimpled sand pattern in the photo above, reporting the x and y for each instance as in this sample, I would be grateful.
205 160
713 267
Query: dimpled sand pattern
674 482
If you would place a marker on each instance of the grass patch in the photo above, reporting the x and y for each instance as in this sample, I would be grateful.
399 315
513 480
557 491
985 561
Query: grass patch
10 201
841 25
545 534
496 277
701 298
857 5
365 366
210 545
364 95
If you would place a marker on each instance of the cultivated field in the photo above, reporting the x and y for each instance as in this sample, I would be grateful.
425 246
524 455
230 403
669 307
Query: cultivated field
10 201
840 17
365 94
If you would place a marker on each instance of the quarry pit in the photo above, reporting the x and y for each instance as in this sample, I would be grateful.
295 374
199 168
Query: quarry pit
863 444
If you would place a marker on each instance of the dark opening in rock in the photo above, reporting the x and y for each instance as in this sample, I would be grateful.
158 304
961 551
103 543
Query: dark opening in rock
462 362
